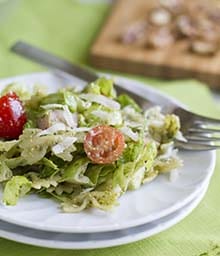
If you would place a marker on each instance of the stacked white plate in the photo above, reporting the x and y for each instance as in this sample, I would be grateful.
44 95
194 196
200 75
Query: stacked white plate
142 213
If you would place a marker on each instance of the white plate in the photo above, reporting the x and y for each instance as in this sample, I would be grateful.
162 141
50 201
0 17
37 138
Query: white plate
150 202
96 240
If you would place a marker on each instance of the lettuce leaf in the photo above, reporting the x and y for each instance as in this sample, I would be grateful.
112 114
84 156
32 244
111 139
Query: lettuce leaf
14 162
6 146
49 168
103 200
122 176
105 176
74 172
102 86
63 97
34 148
41 183
167 165
5 172
125 101
15 188
93 173
143 165
21 90
132 151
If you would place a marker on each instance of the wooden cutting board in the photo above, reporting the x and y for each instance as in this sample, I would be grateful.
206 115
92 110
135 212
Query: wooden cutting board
174 62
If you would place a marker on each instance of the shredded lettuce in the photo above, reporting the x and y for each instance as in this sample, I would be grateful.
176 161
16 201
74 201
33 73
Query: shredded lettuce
49 158
162 128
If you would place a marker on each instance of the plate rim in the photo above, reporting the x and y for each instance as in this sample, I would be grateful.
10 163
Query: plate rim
133 223
126 239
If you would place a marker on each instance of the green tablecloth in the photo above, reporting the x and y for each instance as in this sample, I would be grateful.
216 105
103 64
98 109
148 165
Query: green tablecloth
68 28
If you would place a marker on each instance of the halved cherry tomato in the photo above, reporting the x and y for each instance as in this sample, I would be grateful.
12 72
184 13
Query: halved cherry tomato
12 116
104 144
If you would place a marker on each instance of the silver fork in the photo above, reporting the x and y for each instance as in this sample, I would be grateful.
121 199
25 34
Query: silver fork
202 133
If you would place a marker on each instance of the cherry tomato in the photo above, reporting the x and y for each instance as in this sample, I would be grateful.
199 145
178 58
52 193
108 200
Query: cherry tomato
12 116
104 144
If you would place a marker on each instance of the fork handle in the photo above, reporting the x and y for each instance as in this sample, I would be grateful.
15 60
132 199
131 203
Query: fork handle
51 61
64 67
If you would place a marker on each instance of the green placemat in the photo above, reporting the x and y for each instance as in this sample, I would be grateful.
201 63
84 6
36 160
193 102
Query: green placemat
68 28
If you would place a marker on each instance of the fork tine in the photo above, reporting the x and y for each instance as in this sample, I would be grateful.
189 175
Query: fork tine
194 146
206 119
203 130
201 138
186 115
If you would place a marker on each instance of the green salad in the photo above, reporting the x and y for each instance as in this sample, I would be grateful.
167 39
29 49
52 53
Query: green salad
85 148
